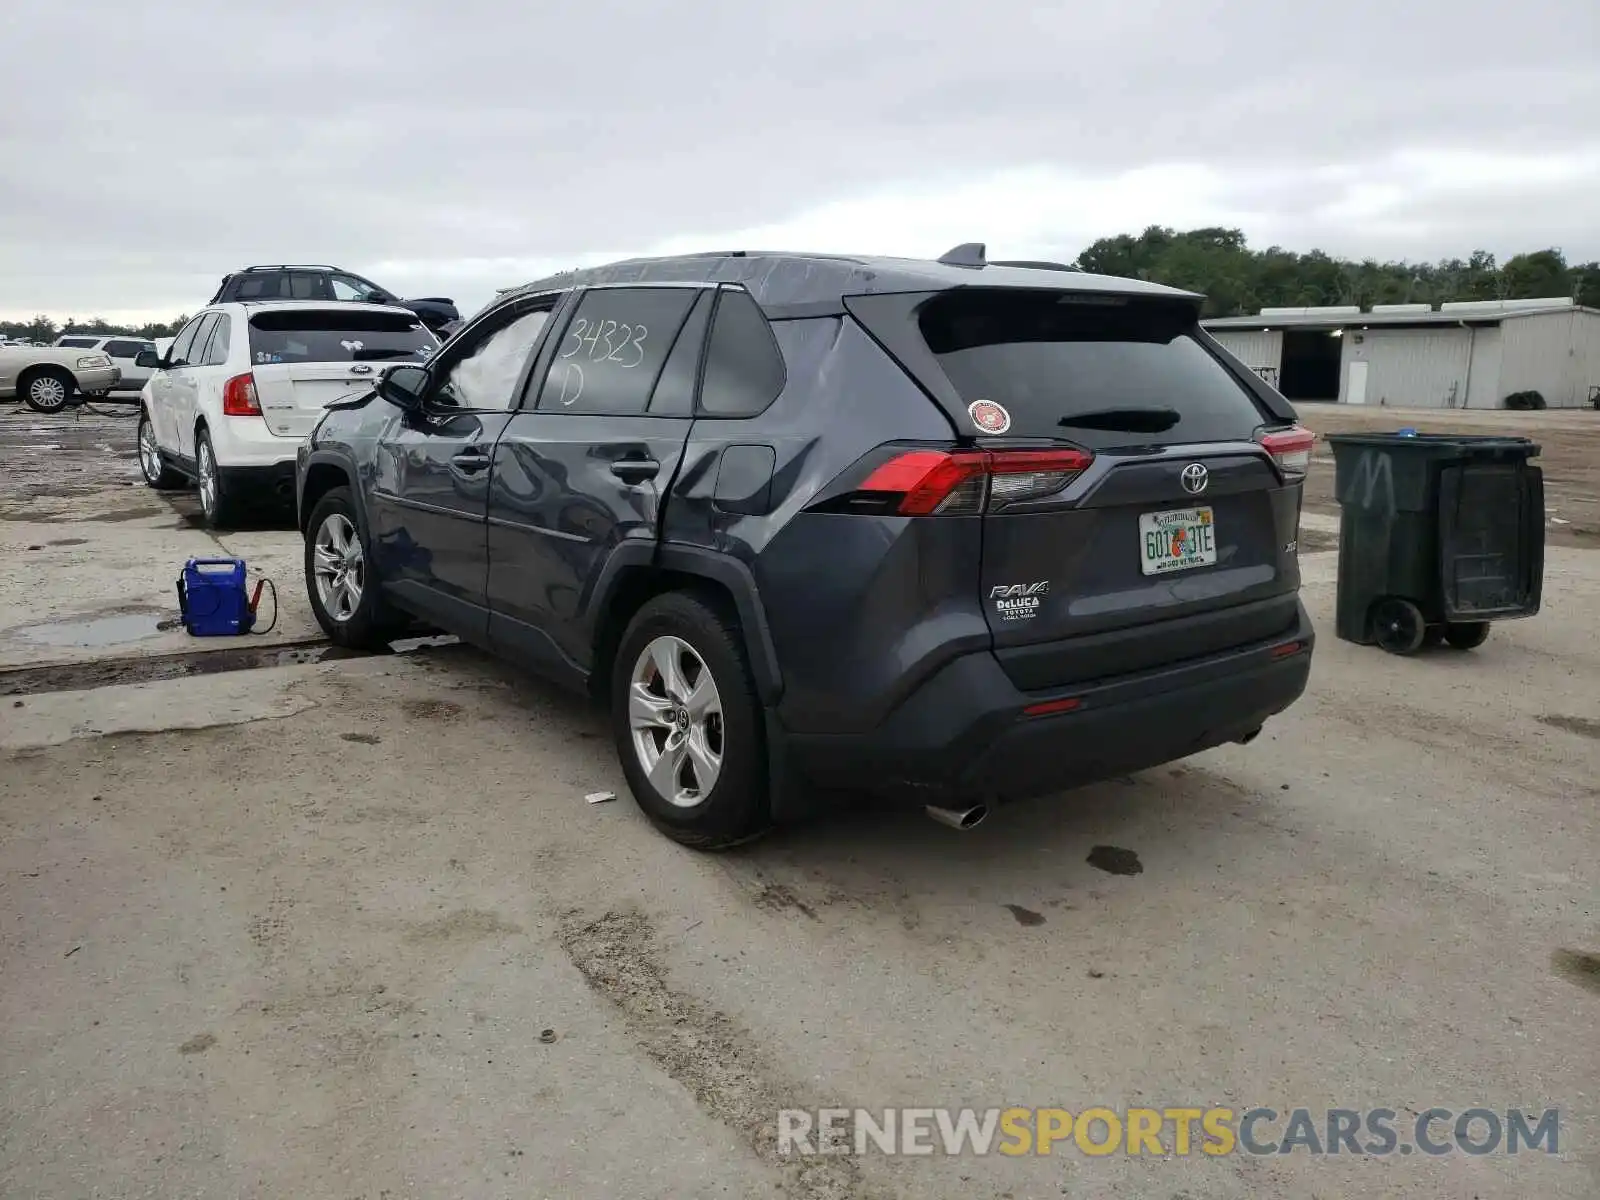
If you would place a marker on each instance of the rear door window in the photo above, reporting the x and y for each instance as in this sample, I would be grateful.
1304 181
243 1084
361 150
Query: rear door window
122 349
337 335
613 349
744 369
1099 371
674 391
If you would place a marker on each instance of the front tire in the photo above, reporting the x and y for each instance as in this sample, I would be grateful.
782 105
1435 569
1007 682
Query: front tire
156 472
687 724
47 391
340 583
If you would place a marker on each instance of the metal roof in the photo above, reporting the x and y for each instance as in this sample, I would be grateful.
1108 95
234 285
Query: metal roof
1344 319
793 284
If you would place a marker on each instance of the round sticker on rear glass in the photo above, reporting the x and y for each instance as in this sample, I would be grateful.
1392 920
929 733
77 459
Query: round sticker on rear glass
988 416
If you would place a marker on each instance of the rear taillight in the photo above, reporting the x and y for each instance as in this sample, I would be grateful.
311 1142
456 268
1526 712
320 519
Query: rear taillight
945 483
239 397
1290 449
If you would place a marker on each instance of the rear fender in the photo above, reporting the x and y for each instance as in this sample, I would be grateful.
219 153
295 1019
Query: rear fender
724 570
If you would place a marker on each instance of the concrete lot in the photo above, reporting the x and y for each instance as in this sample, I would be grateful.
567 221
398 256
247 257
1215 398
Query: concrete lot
349 929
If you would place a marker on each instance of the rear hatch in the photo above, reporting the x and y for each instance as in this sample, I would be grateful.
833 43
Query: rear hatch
304 359
1132 517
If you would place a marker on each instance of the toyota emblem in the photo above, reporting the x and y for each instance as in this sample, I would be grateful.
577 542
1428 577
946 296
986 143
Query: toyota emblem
1195 477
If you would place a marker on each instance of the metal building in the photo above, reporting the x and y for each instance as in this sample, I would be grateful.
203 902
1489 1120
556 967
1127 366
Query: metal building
1471 354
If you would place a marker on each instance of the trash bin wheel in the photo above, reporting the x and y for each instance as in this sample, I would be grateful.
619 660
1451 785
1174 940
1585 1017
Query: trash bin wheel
1467 635
1397 625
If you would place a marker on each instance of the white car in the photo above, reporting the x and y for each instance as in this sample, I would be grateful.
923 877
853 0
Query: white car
242 385
122 349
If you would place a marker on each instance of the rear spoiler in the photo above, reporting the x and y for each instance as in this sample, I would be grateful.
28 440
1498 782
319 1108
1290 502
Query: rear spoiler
1268 396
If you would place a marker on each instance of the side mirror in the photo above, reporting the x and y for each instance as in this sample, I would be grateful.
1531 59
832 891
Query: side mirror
404 385
147 358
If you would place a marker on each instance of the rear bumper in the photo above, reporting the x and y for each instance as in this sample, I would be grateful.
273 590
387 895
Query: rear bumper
261 485
964 733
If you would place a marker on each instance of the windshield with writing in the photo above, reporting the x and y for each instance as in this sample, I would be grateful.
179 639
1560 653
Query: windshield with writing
1098 373
314 335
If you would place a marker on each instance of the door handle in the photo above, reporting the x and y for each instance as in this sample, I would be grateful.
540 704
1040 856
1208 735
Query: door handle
470 462
635 470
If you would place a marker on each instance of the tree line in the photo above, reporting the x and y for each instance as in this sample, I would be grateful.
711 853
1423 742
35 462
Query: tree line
1239 281
1235 279
44 330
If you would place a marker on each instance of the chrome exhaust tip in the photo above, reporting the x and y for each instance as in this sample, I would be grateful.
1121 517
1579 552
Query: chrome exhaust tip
959 818
1249 737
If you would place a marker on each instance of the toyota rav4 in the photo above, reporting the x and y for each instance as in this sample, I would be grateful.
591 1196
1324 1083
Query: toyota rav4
953 531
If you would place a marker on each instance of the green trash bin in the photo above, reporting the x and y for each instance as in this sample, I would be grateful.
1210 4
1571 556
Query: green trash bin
1439 535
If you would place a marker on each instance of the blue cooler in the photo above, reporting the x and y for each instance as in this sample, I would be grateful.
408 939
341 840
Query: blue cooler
213 599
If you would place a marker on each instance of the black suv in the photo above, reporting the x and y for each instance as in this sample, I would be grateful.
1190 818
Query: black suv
954 531
286 282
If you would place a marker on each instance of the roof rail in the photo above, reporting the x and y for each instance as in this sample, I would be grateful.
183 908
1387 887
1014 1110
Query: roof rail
1032 265
968 254
293 267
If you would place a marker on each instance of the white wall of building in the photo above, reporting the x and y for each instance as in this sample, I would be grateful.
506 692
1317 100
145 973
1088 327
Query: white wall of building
1256 348
1450 366
1409 368
1554 354
1488 346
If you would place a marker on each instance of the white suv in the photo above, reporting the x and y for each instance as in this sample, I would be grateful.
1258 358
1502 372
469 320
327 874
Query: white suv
242 385
123 349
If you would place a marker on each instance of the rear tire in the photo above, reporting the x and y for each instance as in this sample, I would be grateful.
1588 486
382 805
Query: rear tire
1467 635
687 724
46 390
219 508
337 553
156 472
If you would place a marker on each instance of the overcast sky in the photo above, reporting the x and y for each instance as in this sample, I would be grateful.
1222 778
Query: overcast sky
453 148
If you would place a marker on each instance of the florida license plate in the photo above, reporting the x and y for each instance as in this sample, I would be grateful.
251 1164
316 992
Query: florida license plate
1177 540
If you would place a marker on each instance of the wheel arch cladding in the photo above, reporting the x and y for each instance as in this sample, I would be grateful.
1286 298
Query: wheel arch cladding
321 478
634 577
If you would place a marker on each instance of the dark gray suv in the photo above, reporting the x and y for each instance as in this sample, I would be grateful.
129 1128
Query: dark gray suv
955 531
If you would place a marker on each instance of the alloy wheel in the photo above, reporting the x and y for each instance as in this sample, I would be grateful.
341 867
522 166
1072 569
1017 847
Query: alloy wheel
208 480
149 452
340 567
675 717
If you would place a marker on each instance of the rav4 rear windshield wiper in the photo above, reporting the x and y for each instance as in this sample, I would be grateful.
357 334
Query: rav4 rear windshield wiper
1124 420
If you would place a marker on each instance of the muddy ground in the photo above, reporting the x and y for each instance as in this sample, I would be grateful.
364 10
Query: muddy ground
347 927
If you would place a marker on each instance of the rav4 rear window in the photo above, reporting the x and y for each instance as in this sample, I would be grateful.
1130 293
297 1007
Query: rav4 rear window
1054 360
338 335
